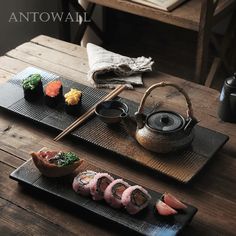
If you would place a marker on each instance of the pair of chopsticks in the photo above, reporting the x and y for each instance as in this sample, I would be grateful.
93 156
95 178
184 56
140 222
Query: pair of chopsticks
90 112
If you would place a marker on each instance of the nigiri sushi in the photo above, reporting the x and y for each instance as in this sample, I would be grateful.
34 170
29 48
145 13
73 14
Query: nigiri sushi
73 101
55 163
135 198
81 183
99 184
114 191
173 202
33 87
53 93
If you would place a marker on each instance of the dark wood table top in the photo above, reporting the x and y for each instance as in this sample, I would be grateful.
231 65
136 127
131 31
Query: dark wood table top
25 212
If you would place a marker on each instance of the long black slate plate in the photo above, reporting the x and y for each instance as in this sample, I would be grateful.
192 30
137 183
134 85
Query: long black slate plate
145 223
181 166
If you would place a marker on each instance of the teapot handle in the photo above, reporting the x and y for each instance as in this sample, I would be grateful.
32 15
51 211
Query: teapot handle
164 84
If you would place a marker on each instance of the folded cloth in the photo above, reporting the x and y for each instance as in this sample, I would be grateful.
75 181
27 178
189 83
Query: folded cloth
108 69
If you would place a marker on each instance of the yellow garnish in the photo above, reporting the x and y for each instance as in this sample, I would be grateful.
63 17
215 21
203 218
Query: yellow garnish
73 97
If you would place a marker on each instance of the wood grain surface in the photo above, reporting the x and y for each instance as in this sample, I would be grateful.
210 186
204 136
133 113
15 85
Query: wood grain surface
25 212
182 166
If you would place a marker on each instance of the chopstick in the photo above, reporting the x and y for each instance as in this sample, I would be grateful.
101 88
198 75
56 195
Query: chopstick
90 112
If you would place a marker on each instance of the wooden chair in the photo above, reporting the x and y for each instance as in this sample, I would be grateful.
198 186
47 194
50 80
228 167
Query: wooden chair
197 15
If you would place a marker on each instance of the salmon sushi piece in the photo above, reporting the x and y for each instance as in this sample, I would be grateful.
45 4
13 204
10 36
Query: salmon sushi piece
135 198
99 184
53 93
81 183
114 191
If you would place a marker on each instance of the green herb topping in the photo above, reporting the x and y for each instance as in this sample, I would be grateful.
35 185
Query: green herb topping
32 81
64 159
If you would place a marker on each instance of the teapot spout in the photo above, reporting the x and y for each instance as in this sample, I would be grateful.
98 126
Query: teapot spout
130 125
140 119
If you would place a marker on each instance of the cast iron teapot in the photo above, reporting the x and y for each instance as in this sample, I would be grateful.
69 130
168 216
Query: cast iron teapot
162 131
227 108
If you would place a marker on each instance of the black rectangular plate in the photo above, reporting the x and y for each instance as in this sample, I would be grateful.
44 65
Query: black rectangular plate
145 222
181 166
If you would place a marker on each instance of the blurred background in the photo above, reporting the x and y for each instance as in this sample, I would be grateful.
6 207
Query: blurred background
15 33
171 47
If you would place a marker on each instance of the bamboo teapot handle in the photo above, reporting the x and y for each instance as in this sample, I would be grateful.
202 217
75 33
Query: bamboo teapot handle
189 111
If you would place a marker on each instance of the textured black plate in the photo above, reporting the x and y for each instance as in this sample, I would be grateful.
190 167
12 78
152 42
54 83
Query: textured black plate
181 166
146 222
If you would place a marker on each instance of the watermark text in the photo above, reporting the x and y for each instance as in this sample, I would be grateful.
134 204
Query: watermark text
19 17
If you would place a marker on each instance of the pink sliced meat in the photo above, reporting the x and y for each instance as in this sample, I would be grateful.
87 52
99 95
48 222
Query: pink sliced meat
173 202
47 154
163 209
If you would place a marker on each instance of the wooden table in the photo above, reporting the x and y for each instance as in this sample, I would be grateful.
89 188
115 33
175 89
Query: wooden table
24 212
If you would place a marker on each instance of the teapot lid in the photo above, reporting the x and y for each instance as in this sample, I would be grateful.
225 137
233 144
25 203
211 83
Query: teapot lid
165 121
232 80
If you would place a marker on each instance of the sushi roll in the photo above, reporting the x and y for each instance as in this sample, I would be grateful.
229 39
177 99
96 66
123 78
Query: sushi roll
82 181
33 87
135 198
53 93
114 191
73 101
99 184
55 163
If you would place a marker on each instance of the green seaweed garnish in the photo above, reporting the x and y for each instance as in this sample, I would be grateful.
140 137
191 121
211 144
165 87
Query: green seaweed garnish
32 81
64 159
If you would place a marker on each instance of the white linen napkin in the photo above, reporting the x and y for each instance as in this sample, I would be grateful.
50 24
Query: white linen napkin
108 69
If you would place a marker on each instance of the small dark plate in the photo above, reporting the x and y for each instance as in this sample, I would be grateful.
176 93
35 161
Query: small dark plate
111 112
